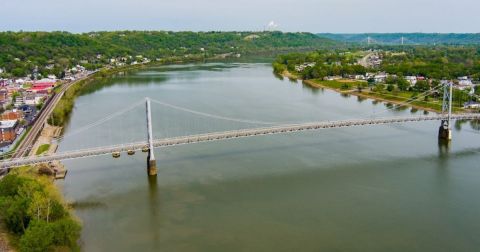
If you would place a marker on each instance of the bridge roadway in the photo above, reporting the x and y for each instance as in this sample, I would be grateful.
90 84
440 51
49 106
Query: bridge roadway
225 135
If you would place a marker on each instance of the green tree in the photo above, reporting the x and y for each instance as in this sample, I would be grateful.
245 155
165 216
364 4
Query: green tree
390 87
39 237
403 84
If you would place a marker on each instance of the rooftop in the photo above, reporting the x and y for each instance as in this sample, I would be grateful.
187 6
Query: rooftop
7 124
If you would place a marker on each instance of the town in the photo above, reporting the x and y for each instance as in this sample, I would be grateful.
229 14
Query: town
387 79
22 100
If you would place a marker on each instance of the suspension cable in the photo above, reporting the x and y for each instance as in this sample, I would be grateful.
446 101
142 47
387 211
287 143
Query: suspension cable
212 116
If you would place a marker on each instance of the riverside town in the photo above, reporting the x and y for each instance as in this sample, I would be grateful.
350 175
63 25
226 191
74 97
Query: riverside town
202 126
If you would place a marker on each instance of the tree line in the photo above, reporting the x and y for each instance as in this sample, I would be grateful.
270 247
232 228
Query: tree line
23 52
444 62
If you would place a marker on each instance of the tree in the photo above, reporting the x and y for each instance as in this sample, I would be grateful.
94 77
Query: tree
390 87
66 232
403 84
31 209
391 80
39 237
422 85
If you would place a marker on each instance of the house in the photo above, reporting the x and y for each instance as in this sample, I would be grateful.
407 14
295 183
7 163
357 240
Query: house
471 105
380 77
332 78
29 99
11 115
3 95
302 67
360 77
465 82
8 130
412 79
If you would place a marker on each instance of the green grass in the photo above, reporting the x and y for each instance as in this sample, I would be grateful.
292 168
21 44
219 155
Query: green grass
43 148
404 96
345 85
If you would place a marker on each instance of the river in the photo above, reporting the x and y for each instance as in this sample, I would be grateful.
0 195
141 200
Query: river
375 188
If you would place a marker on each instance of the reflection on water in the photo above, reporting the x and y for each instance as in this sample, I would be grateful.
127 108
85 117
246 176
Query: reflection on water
379 188
360 99
154 201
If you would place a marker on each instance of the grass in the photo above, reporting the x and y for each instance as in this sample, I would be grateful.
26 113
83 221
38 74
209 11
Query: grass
339 84
394 96
42 148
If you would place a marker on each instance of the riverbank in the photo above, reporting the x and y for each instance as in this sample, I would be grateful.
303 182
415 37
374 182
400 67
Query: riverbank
351 88
37 221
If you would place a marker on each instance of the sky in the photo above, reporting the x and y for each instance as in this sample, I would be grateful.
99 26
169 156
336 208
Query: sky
335 16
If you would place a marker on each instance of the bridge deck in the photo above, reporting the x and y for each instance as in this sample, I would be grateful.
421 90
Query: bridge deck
225 135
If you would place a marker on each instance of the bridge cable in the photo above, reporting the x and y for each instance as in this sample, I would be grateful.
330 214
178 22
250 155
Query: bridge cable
211 115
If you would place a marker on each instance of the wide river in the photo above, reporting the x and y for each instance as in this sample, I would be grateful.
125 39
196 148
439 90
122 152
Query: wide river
373 188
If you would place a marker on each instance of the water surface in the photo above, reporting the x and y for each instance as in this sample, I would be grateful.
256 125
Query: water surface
377 188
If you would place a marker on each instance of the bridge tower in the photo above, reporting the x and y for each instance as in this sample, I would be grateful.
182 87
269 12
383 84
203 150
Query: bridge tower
151 162
445 131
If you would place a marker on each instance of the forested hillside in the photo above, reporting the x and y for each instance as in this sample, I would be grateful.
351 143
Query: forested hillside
21 52
408 38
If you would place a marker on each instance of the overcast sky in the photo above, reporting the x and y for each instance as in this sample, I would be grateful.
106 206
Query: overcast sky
337 16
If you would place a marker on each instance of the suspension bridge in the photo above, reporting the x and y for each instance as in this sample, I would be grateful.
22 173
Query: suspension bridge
267 128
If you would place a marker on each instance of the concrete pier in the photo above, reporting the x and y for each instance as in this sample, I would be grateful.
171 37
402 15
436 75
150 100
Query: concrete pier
444 133
151 166
151 162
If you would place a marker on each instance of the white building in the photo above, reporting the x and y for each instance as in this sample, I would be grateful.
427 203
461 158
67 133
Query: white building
471 105
465 81
411 79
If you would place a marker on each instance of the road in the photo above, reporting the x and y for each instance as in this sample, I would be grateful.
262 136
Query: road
25 146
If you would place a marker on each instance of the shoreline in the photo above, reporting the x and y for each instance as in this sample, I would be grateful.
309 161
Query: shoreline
363 94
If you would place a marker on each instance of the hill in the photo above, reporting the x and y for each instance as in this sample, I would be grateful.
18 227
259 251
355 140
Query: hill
51 52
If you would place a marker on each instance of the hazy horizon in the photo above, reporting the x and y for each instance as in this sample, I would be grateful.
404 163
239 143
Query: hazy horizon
316 16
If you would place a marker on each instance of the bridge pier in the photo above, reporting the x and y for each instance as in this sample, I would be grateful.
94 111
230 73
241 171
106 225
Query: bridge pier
151 162
445 132
151 165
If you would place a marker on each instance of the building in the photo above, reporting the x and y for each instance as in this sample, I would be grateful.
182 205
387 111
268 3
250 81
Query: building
19 101
471 105
8 130
411 79
29 99
11 115
465 82
380 77
3 95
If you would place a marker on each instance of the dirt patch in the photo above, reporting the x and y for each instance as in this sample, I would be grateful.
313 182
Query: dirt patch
4 244
47 135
